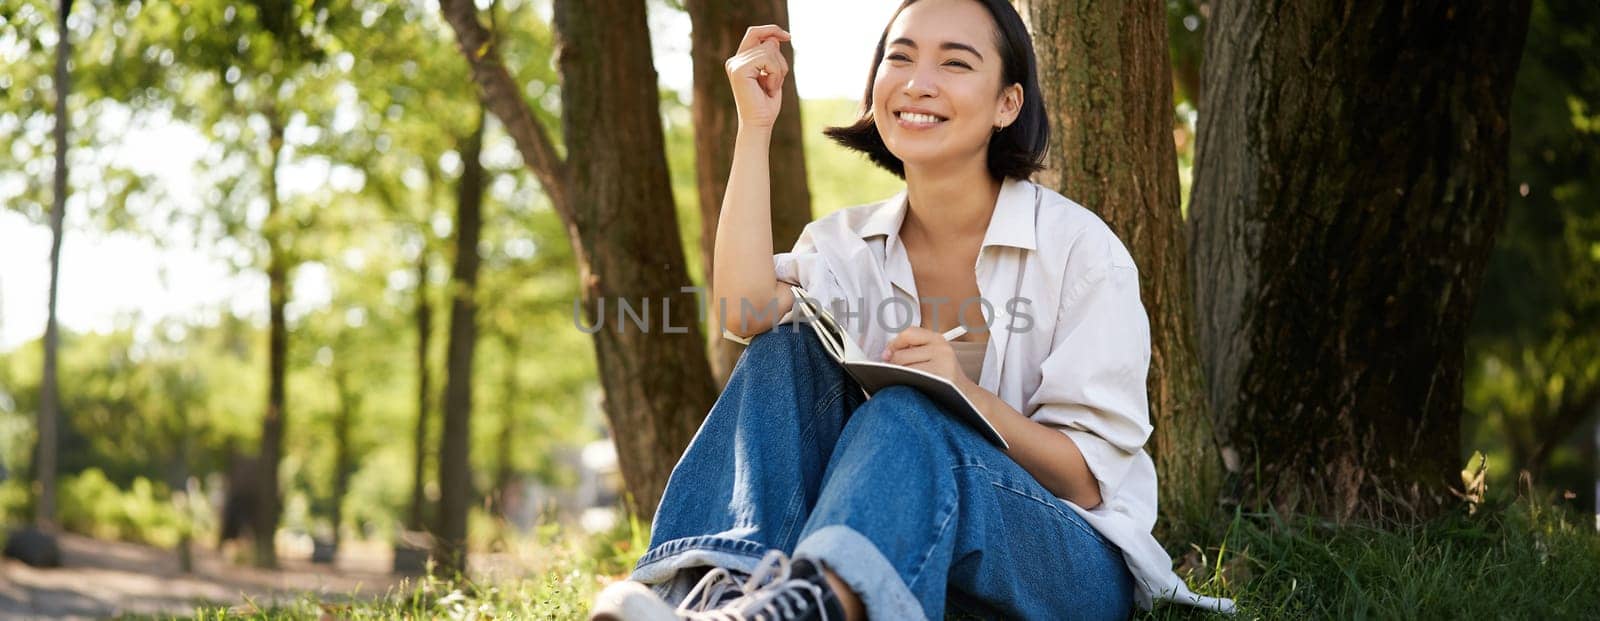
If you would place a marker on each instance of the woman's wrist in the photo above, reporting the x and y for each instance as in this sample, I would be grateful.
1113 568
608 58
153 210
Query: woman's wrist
970 388
754 131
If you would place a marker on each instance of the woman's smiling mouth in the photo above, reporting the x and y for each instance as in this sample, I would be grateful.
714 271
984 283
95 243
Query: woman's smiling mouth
917 120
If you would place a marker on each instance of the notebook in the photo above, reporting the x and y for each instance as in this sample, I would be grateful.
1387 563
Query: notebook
874 375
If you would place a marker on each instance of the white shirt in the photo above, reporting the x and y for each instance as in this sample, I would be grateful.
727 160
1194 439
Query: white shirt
1074 358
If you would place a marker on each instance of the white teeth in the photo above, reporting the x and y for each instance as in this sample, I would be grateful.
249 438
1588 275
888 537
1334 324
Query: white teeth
914 117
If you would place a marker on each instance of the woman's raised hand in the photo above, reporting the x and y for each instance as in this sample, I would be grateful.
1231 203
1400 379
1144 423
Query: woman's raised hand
756 73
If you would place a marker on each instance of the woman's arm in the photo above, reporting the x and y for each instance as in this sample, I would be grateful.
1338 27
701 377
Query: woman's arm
742 275
1049 455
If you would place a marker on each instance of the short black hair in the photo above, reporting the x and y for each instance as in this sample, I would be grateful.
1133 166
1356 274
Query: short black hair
1018 150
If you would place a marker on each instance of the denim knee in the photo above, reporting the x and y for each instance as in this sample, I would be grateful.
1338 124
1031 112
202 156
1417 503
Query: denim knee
784 339
902 411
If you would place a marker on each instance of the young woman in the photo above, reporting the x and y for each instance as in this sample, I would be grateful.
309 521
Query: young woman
800 499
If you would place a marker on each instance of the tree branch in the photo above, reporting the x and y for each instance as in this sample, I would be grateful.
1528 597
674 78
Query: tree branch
502 97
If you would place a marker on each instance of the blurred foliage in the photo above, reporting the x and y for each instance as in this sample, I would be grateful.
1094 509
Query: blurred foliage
1186 47
121 198
1533 374
145 512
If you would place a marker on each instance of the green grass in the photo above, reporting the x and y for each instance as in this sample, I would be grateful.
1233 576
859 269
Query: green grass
1516 559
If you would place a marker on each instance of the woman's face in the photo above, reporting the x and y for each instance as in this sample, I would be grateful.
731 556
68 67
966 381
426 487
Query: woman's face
937 97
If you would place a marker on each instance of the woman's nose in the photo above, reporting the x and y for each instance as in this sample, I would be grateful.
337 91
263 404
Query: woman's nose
923 82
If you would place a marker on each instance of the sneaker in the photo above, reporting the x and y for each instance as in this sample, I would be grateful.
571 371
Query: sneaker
628 600
782 590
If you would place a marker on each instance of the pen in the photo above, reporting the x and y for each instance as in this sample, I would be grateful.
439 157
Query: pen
955 333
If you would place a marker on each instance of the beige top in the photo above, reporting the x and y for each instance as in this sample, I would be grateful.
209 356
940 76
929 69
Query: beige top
969 356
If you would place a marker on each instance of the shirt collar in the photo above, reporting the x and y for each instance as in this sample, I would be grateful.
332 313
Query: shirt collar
1011 225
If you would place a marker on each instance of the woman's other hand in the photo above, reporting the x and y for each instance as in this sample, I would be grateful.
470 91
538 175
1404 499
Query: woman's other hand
756 73
926 350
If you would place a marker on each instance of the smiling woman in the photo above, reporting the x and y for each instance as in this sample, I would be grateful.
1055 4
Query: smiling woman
968 83
799 498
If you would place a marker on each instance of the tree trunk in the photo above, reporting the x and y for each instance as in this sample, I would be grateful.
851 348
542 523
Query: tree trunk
1108 90
718 28
269 505
508 427
424 316
1346 198
657 381
343 459
614 196
44 457
455 473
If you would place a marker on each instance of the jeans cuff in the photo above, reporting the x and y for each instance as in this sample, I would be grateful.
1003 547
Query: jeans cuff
856 560
662 562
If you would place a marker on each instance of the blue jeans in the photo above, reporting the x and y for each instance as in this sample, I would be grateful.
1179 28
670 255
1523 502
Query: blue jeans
907 505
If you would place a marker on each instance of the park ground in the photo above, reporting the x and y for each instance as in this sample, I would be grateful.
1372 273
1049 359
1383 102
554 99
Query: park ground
1513 558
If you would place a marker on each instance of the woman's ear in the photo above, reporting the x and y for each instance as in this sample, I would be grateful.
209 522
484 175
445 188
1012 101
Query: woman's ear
1010 106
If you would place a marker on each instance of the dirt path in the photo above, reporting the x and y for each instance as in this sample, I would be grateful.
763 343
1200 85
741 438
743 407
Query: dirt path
106 579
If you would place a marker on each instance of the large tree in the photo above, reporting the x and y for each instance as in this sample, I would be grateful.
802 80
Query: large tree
613 195
717 29
1351 179
1108 90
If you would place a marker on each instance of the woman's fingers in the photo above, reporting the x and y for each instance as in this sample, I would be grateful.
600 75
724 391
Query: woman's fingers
757 72
776 53
911 337
911 355
765 63
771 67
757 35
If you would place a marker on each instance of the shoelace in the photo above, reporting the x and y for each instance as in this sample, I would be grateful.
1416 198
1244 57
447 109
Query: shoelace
712 589
785 600
769 593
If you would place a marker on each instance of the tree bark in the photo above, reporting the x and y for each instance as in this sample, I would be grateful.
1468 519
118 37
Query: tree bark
455 468
718 28
1108 90
1350 183
45 456
614 195
270 504
416 521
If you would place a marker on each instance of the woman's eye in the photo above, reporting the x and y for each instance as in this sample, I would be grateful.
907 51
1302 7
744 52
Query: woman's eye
957 63
898 57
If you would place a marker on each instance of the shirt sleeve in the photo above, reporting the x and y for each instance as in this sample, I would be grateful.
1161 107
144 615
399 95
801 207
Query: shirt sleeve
1093 380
